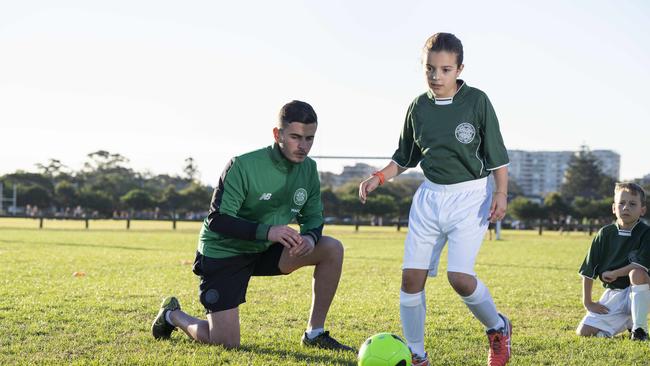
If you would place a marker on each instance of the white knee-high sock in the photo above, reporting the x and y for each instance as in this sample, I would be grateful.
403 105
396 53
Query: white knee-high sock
412 309
480 303
640 298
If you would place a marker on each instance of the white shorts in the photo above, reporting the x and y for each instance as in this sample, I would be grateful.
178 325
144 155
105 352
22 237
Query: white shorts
619 317
457 213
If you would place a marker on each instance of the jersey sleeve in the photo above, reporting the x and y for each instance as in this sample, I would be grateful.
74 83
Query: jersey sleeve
589 267
642 256
310 217
494 151
227 199
408 153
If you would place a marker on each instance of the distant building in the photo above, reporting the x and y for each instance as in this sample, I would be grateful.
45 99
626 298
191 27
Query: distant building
538 173
645 180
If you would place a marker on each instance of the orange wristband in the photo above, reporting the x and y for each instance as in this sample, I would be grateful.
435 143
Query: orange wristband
381 177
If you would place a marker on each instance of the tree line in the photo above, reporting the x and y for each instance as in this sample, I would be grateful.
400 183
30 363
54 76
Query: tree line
107 187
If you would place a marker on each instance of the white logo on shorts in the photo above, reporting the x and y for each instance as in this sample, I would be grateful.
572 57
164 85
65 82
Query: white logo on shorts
300 196
465 132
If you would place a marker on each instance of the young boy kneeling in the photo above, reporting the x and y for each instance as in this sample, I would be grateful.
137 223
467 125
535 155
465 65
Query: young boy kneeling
620 257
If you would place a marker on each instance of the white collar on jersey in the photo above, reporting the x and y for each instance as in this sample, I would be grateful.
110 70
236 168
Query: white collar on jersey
448 100
625 232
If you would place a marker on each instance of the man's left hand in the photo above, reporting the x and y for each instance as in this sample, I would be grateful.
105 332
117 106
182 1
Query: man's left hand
304 248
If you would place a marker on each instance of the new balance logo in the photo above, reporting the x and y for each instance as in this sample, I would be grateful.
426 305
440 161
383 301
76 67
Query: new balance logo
265 196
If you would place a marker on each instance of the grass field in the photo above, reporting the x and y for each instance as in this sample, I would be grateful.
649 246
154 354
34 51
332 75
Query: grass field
48 316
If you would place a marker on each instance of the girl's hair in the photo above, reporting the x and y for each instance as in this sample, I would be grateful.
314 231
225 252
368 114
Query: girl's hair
445 42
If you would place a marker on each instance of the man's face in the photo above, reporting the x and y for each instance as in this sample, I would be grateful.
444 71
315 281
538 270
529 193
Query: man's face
627 207
441 72
295 140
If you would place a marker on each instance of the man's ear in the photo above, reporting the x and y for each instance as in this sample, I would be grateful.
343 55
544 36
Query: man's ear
276 134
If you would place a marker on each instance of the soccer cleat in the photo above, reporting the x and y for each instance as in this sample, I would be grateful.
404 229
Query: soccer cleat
639 335
500 343
325 341
160 328
420 360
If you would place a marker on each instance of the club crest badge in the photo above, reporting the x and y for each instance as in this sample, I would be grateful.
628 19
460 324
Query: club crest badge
465 132
300 196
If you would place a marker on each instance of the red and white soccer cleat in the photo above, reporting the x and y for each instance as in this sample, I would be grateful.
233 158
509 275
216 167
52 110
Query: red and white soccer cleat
500 343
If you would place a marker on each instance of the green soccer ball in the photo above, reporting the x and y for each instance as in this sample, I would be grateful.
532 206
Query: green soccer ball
384 349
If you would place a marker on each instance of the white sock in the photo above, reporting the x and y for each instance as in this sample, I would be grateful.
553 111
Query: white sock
313 333
412 309
480 303
640 298
168 318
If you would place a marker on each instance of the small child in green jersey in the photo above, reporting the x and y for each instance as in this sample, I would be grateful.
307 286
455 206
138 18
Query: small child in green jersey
453 133
620 257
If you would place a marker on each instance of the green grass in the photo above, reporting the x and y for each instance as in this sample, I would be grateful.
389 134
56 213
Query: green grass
47 316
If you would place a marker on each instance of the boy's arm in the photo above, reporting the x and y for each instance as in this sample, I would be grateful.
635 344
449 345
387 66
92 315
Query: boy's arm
594 307
611 276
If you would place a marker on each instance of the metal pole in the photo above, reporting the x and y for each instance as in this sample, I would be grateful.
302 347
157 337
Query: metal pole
498 230
15 199
2 198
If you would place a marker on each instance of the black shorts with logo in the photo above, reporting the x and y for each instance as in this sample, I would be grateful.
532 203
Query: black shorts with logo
224 281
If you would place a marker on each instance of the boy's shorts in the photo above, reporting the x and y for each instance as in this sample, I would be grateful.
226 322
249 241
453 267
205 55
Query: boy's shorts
457 213
224 281
619 317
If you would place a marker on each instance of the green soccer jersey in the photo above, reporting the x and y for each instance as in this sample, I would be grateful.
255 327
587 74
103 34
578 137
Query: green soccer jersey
613 248
454 139
258 190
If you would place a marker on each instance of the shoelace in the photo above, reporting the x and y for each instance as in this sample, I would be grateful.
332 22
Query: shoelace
496 343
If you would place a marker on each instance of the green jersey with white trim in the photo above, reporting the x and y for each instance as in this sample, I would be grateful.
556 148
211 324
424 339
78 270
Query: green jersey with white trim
256 191
454 139
613 248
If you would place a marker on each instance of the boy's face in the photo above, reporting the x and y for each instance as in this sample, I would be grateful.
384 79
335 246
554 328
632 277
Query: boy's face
627 207
441 72
295 140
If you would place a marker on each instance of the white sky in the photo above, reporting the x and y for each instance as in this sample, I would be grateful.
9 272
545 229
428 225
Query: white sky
159 81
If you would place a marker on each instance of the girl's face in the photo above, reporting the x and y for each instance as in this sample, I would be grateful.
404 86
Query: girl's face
441 73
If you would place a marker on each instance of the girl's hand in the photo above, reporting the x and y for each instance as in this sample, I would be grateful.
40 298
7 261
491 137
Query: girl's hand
498 206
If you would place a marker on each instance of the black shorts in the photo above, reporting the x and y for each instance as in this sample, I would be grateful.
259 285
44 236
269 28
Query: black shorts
224 280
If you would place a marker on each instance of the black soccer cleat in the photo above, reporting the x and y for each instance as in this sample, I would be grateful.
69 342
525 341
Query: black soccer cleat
639 335
160 328
325 341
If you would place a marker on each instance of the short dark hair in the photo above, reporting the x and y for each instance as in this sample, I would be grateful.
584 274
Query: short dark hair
445 42
296 111
633 188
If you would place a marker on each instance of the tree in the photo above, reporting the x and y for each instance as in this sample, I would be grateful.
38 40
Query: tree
35 196
196 197
65 194
171 200
138 200
191 170
584 178
526 210
53 168
380 205
96 201
555 207
331 203
104 160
